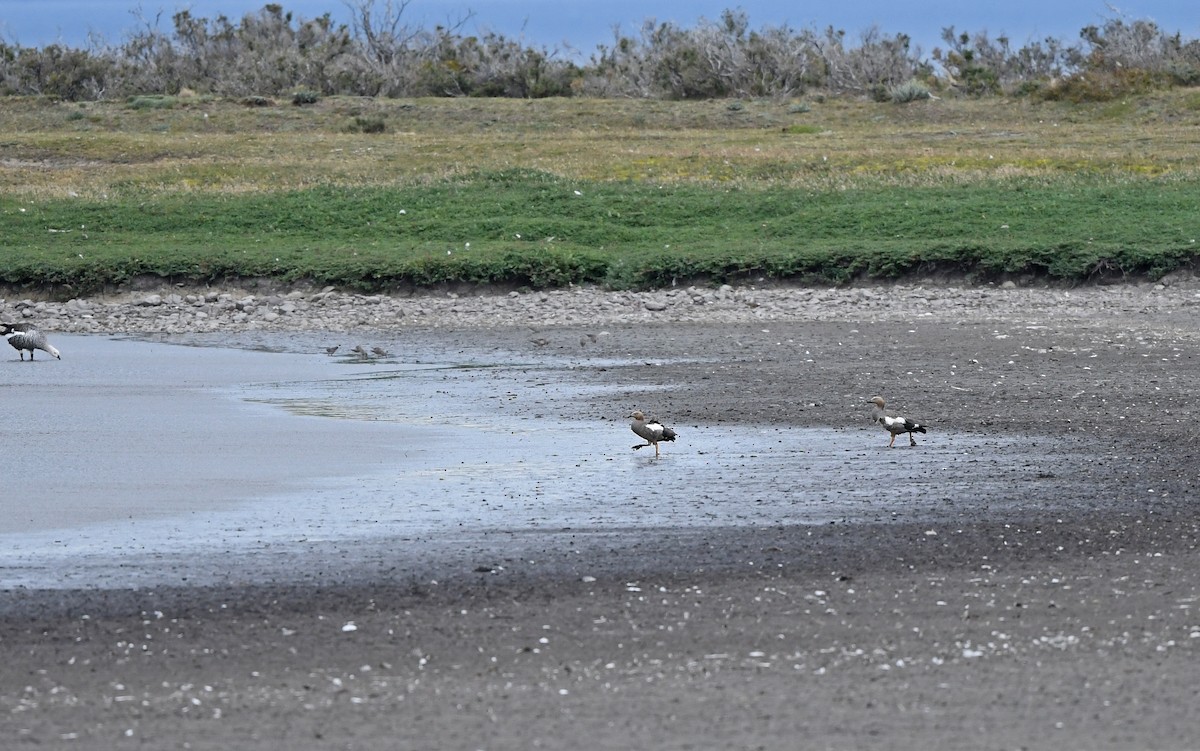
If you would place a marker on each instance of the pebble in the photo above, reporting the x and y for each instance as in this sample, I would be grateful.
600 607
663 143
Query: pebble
182 311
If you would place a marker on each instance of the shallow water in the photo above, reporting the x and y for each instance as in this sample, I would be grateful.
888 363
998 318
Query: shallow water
134 463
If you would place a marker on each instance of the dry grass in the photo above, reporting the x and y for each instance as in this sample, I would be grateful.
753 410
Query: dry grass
209 145
624 193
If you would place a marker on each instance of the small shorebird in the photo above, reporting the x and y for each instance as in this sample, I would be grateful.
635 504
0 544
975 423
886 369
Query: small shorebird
358 350
331 350
379 352
895 425
23 337
651 431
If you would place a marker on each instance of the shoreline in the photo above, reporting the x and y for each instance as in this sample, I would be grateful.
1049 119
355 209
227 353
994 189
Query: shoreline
1069 620
183 310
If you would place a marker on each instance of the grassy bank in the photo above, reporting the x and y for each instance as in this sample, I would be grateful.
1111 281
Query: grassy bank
540 230
627 194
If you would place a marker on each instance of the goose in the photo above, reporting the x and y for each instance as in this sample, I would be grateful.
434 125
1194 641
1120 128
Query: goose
652 431
895 425
23 338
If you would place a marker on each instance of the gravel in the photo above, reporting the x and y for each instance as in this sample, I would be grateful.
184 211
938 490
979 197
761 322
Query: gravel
265 308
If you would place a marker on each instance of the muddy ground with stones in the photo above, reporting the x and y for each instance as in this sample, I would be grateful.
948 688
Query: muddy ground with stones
1064 619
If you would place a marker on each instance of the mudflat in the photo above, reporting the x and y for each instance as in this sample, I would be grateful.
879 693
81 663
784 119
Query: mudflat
1047 602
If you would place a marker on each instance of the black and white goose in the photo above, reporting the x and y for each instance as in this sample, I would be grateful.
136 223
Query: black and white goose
895 425
651 431
23 337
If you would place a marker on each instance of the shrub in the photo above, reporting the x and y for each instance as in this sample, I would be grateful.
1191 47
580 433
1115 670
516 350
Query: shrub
305 96
1100 85
1184 74
909 91
367 125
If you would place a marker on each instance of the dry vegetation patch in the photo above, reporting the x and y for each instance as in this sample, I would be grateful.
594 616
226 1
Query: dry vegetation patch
625 192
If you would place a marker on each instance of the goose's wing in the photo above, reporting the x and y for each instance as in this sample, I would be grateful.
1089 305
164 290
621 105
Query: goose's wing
650 431
899 424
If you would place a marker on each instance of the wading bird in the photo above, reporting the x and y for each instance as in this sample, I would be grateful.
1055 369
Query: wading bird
651 431
23 337
895 425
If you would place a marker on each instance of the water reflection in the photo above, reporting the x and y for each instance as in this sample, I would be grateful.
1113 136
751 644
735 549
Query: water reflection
205 455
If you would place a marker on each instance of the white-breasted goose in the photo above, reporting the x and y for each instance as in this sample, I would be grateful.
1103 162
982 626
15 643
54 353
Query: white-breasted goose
651 431
895 425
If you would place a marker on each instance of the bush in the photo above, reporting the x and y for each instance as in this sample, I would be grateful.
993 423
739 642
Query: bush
1184 74
367 125
909 91
1100 85
303 97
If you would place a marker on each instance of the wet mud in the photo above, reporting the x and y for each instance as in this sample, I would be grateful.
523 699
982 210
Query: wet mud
1024 577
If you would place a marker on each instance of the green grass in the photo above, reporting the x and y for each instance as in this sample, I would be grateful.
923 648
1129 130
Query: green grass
622 193
531 228
152 102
